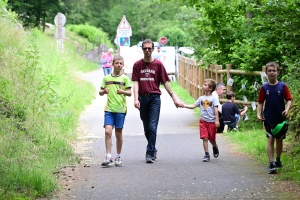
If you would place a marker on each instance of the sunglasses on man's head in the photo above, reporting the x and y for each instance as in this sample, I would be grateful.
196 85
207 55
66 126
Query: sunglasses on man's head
147 48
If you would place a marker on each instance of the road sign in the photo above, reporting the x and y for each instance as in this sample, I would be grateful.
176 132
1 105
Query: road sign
163 41
124 28
60 20
124 41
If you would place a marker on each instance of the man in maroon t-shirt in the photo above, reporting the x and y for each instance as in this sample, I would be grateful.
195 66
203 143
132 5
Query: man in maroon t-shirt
148 73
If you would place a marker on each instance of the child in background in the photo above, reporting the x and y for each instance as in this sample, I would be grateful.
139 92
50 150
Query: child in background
209 118
274 94
231 113
117 87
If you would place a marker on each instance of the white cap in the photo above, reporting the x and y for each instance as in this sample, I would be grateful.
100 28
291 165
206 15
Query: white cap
111 50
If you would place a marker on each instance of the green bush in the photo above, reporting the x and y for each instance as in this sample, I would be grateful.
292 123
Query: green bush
175 36
92 33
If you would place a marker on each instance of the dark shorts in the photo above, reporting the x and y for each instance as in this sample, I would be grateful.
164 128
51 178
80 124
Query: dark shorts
268 127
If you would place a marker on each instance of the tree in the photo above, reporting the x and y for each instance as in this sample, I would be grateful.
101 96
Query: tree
175 36
33 12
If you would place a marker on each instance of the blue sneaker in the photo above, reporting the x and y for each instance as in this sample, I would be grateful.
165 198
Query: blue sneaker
148 158
206 158
272 168
154 155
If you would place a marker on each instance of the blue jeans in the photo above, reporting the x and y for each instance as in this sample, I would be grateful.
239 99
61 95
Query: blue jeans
107 70
233 124
149 114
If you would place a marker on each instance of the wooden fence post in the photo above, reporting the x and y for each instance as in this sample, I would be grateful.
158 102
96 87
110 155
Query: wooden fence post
219 77
263 68
229 67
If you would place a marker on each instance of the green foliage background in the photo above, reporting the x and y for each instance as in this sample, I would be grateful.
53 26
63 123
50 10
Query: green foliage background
247 34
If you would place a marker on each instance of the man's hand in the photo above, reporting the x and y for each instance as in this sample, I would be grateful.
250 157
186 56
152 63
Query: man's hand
137 104
178 103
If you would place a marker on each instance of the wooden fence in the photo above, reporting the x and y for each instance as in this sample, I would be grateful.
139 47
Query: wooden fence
190 76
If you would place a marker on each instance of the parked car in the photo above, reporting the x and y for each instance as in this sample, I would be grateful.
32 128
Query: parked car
186 51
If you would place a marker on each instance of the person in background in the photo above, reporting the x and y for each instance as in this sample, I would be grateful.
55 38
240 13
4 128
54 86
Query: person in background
107 67
148 73
278 99
159 55
219 94
116 86
231 113
209 117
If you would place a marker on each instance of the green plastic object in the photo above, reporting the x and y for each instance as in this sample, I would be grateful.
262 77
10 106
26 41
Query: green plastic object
280 129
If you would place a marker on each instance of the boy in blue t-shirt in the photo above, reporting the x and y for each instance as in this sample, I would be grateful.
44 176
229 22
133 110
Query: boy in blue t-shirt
231 113
278 100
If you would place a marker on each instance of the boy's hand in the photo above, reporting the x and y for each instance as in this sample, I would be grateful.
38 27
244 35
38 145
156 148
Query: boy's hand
217 123
106 91
260 118
120 91
285 113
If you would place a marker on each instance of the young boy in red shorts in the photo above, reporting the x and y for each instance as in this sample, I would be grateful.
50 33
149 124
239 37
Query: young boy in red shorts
209 118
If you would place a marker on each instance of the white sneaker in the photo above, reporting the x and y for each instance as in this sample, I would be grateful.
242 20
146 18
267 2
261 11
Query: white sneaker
118 162
225 129
107 162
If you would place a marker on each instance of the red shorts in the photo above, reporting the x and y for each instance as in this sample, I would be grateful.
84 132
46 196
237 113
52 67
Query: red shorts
207 130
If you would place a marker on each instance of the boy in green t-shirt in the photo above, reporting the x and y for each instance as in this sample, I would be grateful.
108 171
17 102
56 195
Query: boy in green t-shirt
117 86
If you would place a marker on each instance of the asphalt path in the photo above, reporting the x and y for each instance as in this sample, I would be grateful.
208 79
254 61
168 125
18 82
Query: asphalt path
178 172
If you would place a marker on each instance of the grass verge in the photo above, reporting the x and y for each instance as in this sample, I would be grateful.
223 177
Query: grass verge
41 95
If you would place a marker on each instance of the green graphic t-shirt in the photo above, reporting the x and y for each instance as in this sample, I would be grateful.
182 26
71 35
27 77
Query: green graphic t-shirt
116 102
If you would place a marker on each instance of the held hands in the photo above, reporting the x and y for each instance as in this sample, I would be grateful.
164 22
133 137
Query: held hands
178 103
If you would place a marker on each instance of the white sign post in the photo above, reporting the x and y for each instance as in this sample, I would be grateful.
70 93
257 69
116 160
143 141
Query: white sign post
124 31
60 20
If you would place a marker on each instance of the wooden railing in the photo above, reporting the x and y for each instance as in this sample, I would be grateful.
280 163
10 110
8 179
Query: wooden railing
190 76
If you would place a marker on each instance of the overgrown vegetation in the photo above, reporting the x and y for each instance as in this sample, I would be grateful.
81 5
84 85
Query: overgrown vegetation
93 34
41 97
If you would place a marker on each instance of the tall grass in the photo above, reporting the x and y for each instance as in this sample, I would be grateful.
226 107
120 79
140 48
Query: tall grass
41 97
